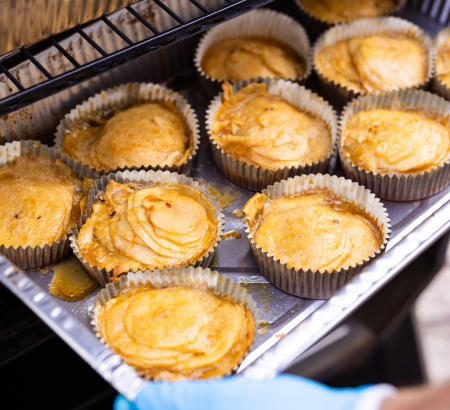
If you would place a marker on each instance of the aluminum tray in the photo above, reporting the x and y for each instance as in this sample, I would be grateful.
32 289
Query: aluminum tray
294 324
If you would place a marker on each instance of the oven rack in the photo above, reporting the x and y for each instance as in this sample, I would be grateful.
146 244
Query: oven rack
74 72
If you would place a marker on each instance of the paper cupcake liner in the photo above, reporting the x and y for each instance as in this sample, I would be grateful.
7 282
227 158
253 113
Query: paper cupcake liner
103 276
123 96
257 177
437 85
198 277
32 258
405 187
316 25
316 284
260 23
338 94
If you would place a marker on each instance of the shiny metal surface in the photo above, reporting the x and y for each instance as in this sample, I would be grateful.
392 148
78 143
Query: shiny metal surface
290 325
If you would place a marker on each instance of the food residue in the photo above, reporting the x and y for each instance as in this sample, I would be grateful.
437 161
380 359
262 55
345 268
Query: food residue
231 235
264 292
225 197
70 281
238 213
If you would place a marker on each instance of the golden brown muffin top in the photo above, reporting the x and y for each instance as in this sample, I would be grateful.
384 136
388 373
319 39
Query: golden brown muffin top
338 11
145 134
243 58
377 63
265 130
314 231
443 61
138 226
392 141
41 200
175 333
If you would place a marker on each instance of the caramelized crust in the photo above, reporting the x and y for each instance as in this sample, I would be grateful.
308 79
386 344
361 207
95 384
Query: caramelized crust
41 200
443 61
336 11
177 333
393 141
378 63
149 134
243 58
315 231
139 227
265 130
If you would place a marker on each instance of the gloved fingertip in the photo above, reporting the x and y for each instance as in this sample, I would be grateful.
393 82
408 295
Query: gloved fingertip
121 403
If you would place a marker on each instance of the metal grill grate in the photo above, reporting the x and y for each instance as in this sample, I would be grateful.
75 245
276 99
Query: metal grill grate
141 28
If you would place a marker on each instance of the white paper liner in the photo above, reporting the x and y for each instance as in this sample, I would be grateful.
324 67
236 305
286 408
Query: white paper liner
437 85
259 23
255 177
123 96
338 94
401 187
104 276
316 25
32 258
198 277
316 284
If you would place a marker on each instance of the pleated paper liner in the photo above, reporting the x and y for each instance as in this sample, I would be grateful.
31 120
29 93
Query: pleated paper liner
32 258
316 25
317 284
398 187
338 94
123 96
257 23
197 277
102 275
437 85
255 177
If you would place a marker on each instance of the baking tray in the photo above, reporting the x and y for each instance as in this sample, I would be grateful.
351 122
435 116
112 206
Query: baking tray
292 324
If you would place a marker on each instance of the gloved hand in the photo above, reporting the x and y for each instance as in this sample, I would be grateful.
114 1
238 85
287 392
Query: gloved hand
285 392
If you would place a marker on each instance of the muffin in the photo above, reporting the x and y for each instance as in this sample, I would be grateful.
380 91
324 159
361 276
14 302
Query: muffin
157 220
263 132
398 144
42 199
182 324
262 43
338 11
441 79
372 56
131 126
309 235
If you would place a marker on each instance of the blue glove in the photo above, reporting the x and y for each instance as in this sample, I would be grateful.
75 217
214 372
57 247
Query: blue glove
285 392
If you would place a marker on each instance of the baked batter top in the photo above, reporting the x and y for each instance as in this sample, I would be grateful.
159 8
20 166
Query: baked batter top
378 63
242 58
443 61
146 134
177 332
40 200
137 226
265 130
337 11
315 231
394 141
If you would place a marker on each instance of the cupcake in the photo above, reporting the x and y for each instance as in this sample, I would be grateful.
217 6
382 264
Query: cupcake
372 56
397 144
42 199
262 132
147 220
262 43
178 324
310 235
441 79
131 126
